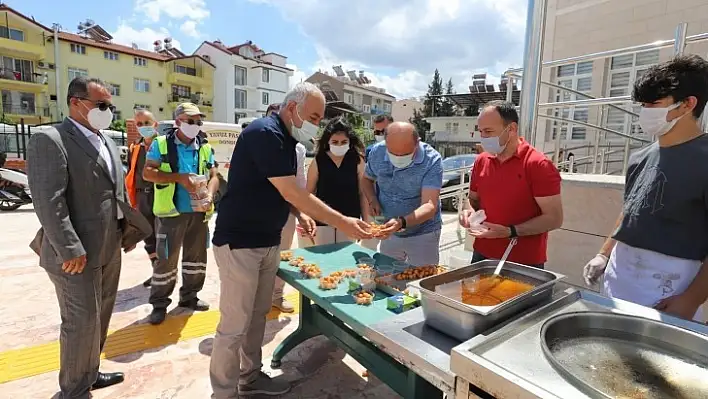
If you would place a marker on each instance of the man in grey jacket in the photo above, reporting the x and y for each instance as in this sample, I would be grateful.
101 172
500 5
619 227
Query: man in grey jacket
76 179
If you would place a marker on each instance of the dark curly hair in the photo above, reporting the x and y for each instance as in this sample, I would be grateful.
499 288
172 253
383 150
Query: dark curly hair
682 77
340 125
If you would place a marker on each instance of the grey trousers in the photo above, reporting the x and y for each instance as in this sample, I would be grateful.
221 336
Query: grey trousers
247 277
86 303
187 232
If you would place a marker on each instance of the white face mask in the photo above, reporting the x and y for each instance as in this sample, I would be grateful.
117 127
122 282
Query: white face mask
491 144
379 138
98 119
653 120
191 131
305 133
339 150
401 161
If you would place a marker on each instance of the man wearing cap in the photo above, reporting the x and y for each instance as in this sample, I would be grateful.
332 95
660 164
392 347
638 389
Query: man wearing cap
183 205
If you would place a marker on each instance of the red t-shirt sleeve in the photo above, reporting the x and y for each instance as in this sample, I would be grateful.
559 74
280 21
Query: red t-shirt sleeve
474 175
544 178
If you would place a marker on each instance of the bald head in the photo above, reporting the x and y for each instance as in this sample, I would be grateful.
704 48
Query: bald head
144 117
401 138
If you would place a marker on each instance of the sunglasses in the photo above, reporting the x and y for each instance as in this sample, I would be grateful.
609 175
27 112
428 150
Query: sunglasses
192 122
379 132
141 124
101 105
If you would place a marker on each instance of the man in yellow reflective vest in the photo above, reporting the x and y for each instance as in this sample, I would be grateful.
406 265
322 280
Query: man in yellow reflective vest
180 164
140 191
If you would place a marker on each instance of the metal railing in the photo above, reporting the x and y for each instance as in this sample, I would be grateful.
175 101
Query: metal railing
193 98
28 110
19 76
535 32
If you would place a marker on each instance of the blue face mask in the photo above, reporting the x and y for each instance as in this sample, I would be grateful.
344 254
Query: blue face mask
147 131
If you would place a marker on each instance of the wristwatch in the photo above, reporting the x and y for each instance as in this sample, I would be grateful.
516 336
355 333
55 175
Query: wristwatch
402 221
512 232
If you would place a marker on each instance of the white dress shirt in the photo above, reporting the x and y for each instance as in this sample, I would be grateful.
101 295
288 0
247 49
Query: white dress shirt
102 148
300 177
99 145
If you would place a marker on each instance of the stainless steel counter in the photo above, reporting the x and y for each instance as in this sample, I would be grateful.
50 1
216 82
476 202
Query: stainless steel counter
509 362
423 349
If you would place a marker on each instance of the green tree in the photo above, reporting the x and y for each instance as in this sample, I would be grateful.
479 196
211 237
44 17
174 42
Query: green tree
118 125
433 100
447 107
421 126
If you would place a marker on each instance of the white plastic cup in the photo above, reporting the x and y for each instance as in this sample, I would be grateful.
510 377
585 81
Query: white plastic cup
459 259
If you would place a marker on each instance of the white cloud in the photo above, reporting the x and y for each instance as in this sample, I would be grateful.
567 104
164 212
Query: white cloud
176 9
408 40
298 75
189 28
144 38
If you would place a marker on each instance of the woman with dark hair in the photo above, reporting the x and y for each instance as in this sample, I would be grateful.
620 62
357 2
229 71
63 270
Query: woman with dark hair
334 177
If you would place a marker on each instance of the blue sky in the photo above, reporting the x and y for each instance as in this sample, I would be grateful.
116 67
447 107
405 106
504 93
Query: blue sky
398 43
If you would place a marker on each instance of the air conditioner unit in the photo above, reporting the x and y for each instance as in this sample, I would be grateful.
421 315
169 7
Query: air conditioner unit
42 65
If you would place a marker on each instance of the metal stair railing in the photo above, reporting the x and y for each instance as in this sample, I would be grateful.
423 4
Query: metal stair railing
535 32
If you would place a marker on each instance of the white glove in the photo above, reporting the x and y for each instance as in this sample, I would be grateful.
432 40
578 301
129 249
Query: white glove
594 269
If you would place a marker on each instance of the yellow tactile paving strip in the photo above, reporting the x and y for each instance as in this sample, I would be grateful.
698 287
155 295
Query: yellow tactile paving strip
27 362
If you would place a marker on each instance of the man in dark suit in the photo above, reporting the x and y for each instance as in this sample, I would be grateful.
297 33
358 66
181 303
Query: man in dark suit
76 179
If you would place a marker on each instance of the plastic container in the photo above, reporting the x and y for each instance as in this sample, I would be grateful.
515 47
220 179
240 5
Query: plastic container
366 260
459 259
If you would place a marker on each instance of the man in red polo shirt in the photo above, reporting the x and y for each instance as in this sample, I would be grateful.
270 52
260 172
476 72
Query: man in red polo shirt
517 187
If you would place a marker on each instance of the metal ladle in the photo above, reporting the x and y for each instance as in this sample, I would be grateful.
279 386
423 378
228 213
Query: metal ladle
512 242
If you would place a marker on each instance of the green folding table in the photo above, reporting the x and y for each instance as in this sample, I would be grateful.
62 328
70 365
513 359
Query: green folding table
334 314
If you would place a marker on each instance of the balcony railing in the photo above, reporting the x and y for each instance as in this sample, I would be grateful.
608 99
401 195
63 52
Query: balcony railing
198 100
9 74
14 109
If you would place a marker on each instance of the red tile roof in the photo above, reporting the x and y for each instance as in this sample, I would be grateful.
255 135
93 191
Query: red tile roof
74 38
233 51
5 7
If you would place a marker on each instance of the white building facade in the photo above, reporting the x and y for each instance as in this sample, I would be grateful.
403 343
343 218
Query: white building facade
578 27
246 80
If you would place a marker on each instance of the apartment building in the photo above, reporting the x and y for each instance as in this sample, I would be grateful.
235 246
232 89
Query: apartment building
247 78
156 80
356 90
577 27
402 110
24 68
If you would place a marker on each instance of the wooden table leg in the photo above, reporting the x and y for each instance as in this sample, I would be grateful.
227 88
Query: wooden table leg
306 330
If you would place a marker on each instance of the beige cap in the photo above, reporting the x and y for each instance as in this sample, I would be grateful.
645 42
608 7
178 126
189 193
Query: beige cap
188 109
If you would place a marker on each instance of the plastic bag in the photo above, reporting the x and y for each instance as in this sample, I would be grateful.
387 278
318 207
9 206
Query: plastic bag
475 221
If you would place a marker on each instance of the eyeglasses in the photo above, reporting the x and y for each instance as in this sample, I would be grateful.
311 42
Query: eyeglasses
101 105
192 122
379 132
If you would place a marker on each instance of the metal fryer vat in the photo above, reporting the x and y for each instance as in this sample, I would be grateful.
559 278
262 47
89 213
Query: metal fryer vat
462 321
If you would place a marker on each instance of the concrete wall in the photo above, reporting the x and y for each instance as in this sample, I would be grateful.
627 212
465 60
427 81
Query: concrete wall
591 204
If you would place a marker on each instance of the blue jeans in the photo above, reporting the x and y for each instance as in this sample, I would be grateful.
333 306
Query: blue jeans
477 257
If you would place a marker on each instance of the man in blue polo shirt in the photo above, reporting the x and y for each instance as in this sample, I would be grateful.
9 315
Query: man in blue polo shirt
408 175
262 191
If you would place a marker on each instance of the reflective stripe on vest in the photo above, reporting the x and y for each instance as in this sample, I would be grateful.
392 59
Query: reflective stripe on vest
164 203
130 177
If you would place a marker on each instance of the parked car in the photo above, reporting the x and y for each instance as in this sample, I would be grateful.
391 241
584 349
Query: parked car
451 176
